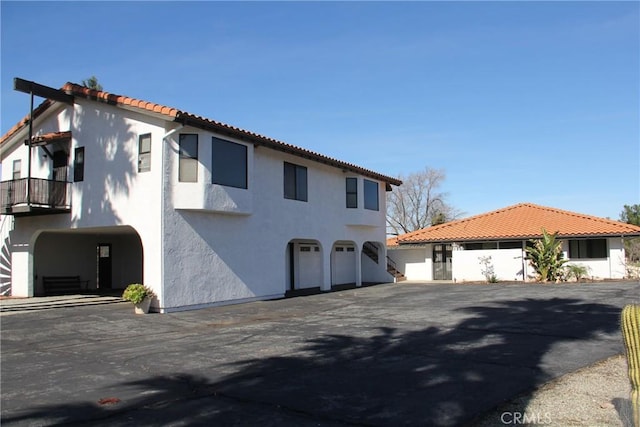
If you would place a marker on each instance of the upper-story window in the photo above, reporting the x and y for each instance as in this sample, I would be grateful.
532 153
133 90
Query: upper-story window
188 163
295 182
588 248
229 164
371 195
352 192
17 169
144 153
78 164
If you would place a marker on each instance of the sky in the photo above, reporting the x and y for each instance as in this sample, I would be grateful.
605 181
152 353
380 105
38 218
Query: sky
515 101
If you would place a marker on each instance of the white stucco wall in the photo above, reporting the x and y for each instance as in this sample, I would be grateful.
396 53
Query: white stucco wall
415 263
113 192
507 264
612 267
242 254
201 243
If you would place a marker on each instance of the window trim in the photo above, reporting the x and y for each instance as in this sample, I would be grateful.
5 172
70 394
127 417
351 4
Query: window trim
144 154
183 157
245 152
16 172
300 173
353 200
589 248
368 192
78 164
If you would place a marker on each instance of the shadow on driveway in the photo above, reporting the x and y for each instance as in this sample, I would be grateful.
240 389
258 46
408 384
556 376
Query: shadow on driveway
436 376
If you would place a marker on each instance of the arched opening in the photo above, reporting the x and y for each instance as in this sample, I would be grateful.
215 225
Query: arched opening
374 263
91 260
343 264
303 263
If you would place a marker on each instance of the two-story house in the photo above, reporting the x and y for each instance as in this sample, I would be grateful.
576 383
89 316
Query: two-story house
100 190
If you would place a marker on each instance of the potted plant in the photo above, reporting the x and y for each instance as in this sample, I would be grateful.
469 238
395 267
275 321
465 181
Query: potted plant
140 296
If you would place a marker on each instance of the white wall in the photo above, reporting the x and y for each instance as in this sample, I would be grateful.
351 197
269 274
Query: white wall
507 264
612 267
202 243
243 255
113 192
415 263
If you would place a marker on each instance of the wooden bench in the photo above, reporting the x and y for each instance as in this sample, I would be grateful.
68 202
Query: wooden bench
56 285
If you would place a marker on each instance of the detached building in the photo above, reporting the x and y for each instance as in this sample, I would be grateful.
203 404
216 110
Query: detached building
458 250
102 190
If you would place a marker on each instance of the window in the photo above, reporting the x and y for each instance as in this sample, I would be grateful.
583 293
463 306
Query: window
512 244
477 246
78 164
188 166
295 182
352 192
144 153
371 195
588 248
229 165
17 169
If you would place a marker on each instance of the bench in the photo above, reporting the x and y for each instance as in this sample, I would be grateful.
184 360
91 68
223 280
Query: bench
56 285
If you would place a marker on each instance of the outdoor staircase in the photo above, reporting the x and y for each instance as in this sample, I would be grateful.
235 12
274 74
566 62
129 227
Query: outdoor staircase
371 250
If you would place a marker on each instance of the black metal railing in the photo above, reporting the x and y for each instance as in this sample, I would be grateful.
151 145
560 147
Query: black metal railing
42 193
371 251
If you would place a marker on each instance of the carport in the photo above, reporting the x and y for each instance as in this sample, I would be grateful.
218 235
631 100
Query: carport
99 259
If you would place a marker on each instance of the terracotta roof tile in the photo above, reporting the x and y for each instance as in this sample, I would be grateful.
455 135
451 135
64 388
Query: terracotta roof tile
521 221
199 121
52 137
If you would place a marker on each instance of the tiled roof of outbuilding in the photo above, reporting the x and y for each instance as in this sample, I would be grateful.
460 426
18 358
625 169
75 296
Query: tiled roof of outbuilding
521 221
201 122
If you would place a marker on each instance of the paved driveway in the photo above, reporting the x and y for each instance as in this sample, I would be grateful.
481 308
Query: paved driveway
409 354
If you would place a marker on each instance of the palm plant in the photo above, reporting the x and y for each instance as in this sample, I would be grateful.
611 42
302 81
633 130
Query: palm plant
546 257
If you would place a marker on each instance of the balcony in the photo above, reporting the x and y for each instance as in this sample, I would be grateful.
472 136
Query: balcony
43 197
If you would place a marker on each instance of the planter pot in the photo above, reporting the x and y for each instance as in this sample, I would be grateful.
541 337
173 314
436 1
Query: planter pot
143 307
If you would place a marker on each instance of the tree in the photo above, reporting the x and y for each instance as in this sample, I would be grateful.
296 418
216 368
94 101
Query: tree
546 257
92 83
631 214
418 202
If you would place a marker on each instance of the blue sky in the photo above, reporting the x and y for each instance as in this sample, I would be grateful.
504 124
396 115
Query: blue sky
516 101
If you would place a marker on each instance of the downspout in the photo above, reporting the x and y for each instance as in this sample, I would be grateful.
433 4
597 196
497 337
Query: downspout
162 207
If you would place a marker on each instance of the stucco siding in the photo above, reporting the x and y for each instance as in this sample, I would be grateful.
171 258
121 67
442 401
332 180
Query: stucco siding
468 265
198 243
415 263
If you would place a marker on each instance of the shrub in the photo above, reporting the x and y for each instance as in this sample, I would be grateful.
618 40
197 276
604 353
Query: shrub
576 271
136 293
546 257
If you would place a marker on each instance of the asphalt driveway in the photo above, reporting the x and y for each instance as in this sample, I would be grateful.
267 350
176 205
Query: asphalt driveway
407 354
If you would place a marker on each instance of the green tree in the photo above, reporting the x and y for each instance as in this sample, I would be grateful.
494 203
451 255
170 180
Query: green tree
630 214
546 257
92 83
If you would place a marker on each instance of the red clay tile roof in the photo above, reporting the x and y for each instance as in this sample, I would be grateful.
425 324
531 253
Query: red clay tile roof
521 221
201 122
48 138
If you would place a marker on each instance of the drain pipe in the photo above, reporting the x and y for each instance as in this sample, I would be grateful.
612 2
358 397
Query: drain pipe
165 138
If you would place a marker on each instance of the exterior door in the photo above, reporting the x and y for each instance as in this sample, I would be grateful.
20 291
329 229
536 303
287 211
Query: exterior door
60 165
104 265
442 262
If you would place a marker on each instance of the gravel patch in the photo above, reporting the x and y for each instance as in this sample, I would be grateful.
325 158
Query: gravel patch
597 395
